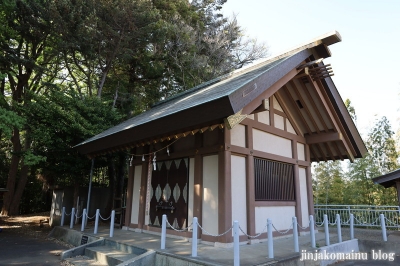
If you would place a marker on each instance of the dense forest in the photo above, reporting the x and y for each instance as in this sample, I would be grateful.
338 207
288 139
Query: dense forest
70 69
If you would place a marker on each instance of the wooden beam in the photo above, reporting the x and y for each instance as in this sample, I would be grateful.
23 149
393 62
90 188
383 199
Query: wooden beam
323 137
289 117
300 114
309 64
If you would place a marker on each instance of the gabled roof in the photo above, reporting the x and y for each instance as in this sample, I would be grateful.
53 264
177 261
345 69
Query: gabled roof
211 102
388 180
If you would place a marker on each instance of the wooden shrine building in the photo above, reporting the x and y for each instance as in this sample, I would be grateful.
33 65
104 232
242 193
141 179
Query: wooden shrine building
391 179
238 147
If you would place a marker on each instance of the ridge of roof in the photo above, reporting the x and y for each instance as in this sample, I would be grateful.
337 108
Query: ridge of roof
327 38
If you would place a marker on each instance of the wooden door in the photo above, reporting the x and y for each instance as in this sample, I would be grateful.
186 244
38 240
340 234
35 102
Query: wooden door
169 193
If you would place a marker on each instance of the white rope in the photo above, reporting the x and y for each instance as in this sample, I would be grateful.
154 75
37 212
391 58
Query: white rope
283 232
208 233
178 230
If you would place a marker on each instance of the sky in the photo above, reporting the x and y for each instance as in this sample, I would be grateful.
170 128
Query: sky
366 64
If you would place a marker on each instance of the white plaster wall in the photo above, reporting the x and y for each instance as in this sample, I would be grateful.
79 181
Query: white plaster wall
289 127
276 105
281 217
210 194
191 189
238 135
251 116
136 194
270 143
279 121
301 155
263 117
303 196
238 188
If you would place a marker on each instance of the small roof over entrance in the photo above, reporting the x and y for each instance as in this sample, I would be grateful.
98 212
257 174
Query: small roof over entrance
297 78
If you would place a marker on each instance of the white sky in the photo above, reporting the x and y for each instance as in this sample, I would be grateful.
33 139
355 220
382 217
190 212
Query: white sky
366 63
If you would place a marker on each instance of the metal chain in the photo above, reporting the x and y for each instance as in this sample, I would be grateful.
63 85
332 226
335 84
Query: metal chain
103 218
178 230
332 223
76 215
282 233
320 224
390 222
361 223
66 214
90 217
303 227
207 233
249 236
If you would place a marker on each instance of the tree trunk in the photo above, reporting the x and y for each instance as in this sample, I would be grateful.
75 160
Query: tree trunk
12 173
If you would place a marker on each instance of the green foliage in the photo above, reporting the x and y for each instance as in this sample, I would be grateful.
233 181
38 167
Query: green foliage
333 185
9 120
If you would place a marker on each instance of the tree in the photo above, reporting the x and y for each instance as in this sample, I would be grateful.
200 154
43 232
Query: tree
328 183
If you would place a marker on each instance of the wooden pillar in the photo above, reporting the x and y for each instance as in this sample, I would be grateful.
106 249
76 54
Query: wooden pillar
398 191
129 194
298 211
224 188
310 197
250 200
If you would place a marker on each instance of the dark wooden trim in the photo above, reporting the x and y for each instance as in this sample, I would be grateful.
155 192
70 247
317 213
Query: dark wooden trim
224 195
286 110
323 137
273 157
273 203
273 130
250 207
143 192
310 196
129 194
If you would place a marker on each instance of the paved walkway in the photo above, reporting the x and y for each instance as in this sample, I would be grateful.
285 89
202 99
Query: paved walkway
250 254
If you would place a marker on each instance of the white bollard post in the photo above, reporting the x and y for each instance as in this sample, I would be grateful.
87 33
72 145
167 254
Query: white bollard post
295 234
112 223
339 228
312 232
326 227
270 240
71 224
96 222
236 257
83 220
163 230
194 237
383 227
351 226
62 216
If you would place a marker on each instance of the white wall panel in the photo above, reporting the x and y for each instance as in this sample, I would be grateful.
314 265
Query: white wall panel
191 189
137 174
238 190
270 143
210 194
281 217
238 135
303 196
301 155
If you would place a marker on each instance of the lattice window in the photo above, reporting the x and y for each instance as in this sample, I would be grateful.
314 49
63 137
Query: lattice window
273 180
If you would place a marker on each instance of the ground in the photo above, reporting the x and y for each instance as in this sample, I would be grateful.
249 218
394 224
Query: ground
35 225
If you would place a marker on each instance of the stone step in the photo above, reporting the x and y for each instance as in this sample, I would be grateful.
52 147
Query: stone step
82 261
108 255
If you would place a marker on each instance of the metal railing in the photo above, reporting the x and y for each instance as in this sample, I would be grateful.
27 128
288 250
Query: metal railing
364 215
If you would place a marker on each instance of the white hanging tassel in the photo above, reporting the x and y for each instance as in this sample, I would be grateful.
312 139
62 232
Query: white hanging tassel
154 162
143 157
130 161
168 150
